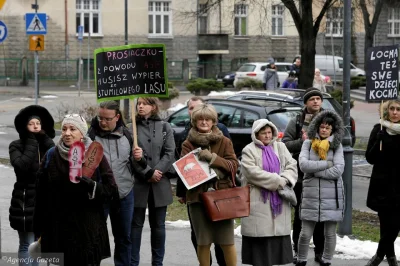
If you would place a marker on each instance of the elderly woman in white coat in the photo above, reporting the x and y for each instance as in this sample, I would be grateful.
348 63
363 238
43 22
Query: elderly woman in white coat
267 166
322 162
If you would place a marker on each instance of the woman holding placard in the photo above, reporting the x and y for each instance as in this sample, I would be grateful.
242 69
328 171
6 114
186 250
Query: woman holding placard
152 188
384 187
218 152
69 216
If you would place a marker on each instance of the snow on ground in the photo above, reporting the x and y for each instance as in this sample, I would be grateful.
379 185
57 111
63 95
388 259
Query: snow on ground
4 166
49 96
2 133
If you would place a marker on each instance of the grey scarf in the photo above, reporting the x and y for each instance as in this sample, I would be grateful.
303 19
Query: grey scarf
391 128
63 150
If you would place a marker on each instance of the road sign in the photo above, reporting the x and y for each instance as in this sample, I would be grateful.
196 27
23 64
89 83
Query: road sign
2 2
3 31
36 42
36 23
80 33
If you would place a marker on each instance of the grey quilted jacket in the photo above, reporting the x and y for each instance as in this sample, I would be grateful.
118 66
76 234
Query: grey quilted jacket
323 192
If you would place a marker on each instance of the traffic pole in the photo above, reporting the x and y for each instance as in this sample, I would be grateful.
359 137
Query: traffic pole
345 227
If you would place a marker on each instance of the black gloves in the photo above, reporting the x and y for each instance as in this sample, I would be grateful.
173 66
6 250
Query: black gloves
41 135
87 183
380 135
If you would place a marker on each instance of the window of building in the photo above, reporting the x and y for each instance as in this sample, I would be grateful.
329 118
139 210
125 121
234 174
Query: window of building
241 20
334 21
88 15
394 21
203 19
160 22
277 20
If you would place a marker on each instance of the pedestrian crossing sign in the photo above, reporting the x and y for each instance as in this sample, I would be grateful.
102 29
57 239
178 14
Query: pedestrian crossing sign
36 43
36 23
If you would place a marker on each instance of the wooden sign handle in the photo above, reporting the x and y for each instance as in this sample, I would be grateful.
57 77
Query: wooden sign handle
134 129
380 144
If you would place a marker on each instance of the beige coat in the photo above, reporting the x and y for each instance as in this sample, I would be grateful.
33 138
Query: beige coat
260 223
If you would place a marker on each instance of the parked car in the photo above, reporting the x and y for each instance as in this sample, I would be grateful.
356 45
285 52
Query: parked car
238 117
226 77
295 96
332 66
256 71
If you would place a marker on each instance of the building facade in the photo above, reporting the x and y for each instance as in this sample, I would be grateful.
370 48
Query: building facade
204 38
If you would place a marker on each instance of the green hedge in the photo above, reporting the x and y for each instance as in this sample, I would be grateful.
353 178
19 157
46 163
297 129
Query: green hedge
356 82
204 85
249 83
337 95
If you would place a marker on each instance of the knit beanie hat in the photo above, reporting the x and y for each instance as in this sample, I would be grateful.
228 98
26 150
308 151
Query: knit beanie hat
78 121
310 92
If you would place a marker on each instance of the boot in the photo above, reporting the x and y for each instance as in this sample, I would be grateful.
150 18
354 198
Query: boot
318 258
301 263
374 261
392 261
295 256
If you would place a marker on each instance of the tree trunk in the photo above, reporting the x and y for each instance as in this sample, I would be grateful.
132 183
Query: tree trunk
307 47
369 41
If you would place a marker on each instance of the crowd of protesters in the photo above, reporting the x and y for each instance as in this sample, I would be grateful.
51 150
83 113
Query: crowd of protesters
304 170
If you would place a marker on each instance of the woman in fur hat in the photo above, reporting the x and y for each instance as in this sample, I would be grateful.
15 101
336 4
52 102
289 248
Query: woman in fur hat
218 152
322 162
69 216
384 187
35 127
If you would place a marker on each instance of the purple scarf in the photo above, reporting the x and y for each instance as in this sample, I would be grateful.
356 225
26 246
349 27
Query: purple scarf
271 164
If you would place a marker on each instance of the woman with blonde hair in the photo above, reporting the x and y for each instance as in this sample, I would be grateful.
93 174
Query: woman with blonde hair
384 187
152 188
217 151
319 82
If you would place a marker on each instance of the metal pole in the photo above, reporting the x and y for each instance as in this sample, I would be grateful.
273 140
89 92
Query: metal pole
36 68
88 63
80 68
126 101
345 227
333 55
36 78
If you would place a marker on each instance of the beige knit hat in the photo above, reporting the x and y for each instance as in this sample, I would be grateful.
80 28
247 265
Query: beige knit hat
78 121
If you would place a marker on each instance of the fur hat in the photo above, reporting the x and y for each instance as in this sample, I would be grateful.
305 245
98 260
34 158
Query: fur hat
78 121
310 92
34 111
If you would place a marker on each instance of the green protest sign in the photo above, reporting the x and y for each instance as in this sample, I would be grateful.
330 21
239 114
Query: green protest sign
130 71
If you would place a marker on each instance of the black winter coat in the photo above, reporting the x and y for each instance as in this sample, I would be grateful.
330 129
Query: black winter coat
66 219
384 186
25 156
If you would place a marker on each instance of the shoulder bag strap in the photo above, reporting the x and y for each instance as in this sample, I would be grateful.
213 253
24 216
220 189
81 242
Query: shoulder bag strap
233 174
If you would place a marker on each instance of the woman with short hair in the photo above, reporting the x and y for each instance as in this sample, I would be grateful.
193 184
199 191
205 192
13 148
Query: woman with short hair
217 151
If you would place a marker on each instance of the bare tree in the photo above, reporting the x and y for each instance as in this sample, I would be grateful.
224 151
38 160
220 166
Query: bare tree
370 26
308 31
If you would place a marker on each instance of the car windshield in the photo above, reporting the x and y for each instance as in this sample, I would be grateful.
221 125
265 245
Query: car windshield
247 68
282 118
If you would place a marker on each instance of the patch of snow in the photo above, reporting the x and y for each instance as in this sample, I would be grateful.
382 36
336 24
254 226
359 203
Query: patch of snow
179 224
49 96
2 133
4 166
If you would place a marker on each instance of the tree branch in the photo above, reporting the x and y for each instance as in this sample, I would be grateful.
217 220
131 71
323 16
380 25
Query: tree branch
290 5
317 22
375 19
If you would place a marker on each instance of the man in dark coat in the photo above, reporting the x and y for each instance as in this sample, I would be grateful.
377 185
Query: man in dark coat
181 189
294 136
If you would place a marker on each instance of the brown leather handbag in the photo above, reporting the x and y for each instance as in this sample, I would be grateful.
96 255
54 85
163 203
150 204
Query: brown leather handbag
229 203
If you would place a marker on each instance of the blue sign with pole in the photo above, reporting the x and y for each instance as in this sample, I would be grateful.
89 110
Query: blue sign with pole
3 31
80 33
36 23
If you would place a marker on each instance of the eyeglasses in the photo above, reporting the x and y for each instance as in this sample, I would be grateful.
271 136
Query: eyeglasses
108 119
327 128
74 115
